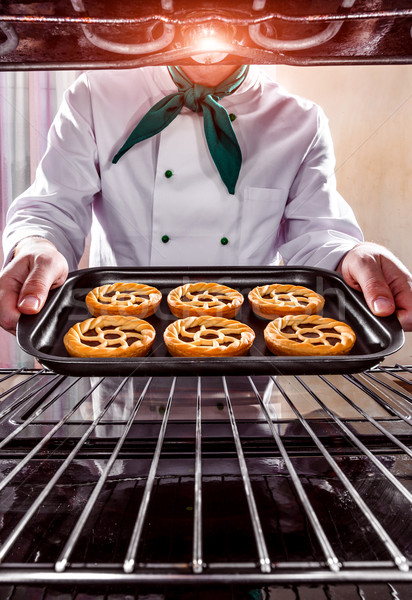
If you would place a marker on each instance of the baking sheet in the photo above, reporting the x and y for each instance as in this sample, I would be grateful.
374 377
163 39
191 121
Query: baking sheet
42 335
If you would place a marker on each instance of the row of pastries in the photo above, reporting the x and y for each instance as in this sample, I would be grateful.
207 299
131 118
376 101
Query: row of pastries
205 324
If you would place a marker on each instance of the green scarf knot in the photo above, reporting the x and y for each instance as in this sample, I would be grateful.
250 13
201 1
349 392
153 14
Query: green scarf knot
194 97
220 137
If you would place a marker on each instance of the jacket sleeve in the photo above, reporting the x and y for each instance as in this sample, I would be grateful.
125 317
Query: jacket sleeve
58 205
319 226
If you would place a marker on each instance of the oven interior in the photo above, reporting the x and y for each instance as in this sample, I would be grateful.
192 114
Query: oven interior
77 34
254 481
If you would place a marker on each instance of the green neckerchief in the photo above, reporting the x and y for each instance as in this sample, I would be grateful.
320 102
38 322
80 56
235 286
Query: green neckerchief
220 137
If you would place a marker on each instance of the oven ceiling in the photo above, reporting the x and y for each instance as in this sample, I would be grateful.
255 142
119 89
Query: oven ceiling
79 34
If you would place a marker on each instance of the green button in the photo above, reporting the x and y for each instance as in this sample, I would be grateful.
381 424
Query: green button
224 241
232 117
168 173
165 239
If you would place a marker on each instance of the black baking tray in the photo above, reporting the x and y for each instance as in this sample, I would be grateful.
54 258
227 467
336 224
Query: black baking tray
42 335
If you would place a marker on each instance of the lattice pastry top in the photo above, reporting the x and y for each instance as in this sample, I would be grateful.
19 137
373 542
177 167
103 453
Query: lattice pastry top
109 336
202 298
208 336
277 300
306 335
122 298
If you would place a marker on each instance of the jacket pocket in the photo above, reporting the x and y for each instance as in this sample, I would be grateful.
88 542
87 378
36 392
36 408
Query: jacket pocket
261 214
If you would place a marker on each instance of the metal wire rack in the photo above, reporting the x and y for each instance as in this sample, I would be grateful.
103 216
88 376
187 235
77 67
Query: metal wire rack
252 480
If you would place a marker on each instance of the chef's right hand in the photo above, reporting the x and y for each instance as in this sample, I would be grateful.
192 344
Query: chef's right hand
36 267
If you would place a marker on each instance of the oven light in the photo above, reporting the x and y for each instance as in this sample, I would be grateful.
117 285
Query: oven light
208 41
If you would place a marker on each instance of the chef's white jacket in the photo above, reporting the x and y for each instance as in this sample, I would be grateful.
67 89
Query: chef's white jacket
164 203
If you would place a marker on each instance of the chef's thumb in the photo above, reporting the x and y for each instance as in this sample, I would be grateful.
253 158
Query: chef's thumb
35 290
30 304
382 306
379 297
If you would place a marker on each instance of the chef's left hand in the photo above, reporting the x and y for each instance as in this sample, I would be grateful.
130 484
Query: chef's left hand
383 279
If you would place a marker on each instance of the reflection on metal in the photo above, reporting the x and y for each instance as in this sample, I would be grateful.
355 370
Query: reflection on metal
218 16
154 45
12 40
98 34
206 480
322 37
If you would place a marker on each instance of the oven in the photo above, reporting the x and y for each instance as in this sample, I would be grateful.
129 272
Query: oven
194 485
272 486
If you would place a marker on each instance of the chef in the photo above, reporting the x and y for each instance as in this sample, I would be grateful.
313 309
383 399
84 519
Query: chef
196 165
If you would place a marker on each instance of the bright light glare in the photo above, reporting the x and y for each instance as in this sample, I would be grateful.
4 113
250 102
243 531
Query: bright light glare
208 45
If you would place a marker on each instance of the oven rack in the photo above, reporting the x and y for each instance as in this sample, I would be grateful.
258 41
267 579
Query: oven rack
206 480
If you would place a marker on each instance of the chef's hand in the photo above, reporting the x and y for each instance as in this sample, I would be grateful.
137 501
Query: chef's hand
383 279
36 267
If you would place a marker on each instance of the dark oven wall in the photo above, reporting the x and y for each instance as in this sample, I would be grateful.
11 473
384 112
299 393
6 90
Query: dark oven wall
105 33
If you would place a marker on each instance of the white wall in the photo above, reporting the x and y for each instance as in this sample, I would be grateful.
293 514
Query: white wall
370 113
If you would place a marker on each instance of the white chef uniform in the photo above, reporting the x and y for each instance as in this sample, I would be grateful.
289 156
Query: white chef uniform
164 203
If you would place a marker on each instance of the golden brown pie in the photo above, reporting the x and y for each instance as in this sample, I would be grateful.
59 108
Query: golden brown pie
121 298
308 335
109 336
208 336
202 298
278 300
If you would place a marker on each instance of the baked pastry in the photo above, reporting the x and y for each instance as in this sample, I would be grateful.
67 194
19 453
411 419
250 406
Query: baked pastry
135 299
208 336
109 336
202 298
308 335
278 300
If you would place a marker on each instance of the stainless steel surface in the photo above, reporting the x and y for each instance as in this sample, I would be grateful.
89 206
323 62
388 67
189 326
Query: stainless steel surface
204 481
